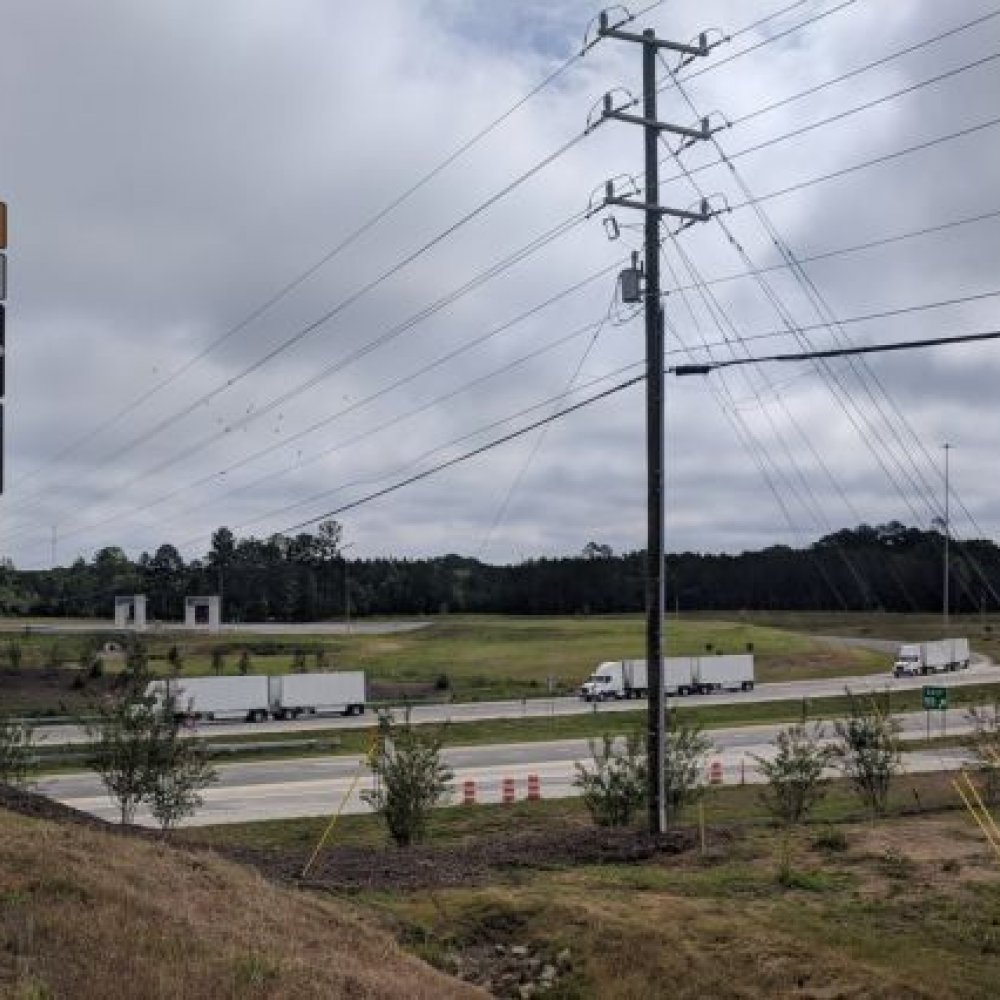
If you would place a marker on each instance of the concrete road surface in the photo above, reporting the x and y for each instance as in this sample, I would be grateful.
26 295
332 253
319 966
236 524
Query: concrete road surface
318 786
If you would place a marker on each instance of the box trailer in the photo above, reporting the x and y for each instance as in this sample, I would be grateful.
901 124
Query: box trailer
729 672
211 698
342 691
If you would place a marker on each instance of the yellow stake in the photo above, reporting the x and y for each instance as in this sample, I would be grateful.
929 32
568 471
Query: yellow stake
975 815
367 761
982 806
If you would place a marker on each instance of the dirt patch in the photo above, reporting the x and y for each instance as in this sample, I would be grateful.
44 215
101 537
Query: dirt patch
927 839
347 868
50 690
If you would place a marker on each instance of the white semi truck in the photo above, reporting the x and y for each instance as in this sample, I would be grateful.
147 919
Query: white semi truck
915 658
682 675
256 697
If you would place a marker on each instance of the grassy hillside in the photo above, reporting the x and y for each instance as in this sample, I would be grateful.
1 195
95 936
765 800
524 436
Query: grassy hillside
470 657
88 914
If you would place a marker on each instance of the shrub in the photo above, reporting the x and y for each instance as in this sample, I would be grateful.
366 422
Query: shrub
244 662
411 778
16 739
218 661
795 774
686 749
139 755
615 788
868 752
14 654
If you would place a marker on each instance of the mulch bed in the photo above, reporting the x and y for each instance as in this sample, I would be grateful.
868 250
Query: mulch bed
350 869
475 862
19 800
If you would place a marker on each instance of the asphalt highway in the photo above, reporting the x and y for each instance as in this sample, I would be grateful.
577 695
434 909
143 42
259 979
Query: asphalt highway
981 671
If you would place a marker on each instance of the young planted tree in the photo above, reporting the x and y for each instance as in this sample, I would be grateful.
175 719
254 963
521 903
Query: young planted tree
218 661
410 777
795 774
686 750
14 654
140 757
867 750
123 734
180 769
136 664
614 788
176 659
299 665
244 662
16 739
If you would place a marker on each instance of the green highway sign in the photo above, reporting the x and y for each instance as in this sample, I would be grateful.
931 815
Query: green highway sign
935 697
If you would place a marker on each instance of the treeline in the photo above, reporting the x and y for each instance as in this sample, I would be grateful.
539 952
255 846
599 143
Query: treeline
307 577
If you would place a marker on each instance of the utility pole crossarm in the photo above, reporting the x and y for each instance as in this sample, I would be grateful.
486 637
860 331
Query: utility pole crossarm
691 133
702 215
701 49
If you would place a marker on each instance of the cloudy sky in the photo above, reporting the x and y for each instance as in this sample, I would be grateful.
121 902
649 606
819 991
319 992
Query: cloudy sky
250 282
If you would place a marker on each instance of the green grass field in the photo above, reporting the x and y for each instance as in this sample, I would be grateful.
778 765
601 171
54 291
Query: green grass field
841 906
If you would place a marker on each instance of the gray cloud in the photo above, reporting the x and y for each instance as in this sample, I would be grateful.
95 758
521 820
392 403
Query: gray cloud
169 167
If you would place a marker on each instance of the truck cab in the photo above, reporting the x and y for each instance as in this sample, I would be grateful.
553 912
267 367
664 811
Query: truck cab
909 661
602 685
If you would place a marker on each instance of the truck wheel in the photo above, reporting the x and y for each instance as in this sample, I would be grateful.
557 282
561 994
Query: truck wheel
748 685
683 692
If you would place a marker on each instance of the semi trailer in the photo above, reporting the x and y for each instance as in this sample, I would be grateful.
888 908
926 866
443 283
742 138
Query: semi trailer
256 697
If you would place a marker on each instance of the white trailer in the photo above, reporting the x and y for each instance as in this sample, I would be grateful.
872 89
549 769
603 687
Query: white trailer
733 672
211 698
679 675
931 657
292 695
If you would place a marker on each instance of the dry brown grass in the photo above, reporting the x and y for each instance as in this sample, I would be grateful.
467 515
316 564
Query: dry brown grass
86 914
906 909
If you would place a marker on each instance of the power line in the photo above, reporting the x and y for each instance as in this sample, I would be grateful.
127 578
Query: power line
325 259
875 161
838 352
839 116
858 71
615 389
868 317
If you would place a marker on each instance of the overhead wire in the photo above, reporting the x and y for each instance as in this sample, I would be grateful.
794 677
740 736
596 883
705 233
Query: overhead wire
859 368
490 445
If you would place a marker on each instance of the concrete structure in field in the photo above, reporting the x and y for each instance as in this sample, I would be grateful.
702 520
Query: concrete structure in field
203 612
130 612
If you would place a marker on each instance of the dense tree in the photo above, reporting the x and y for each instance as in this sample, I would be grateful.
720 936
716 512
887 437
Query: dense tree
889 567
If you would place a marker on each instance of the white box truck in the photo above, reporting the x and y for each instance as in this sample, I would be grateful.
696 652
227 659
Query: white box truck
931 657
727 672
211 698
292 695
